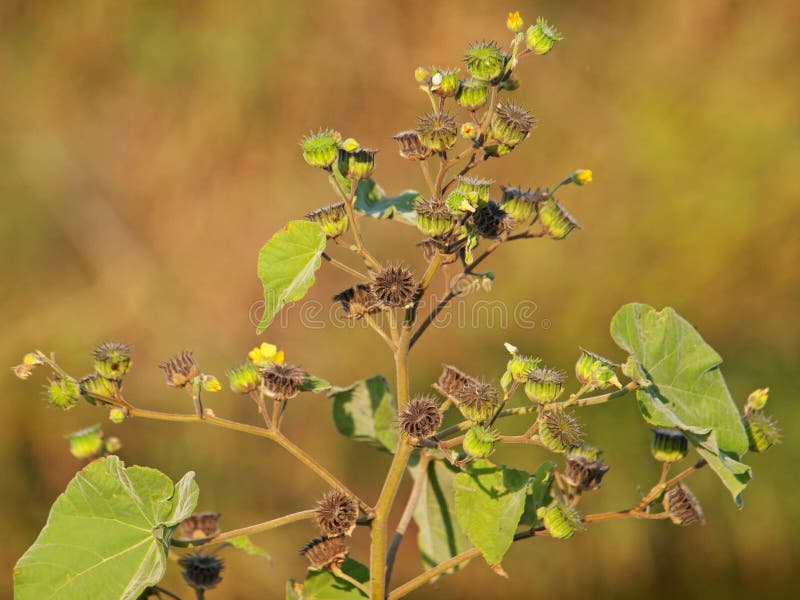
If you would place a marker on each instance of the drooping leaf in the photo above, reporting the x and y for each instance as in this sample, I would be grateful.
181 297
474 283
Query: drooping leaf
538 493
324 585
314 384
489 503
246 545
286 266
107 535
371 200
440 537
365 411
683 387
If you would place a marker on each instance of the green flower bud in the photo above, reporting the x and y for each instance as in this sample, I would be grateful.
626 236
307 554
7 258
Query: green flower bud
459 203
762 431
112 360
321 149
96 385
477 401
479 441
521 204
351 145
116 415
433 217
595 371
422 75
111 445
86 443
581 177
543 385
542 37
357 164
511 124
557 222
63 392
559 430
445 83
476 189
472 94
211 383
438 132
244 379
757 400
682 506
411 147
485 61
560 520
332 219
668 445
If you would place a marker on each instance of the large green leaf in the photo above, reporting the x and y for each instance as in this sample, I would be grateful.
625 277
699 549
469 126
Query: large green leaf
489 503
107 535
324 585
373 201
440 537
538 493
286 266
683 387
365 411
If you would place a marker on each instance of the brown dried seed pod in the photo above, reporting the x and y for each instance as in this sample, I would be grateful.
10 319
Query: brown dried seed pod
584 474
491 221
682 506
452 380
393 287
199 525
420 418
357 301
411 146
324 551
202 571
282 381
180 369
336 513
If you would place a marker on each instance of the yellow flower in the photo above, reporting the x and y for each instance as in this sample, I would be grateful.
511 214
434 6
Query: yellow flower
211 383
582 176
468 130
514 22
351 145
265 354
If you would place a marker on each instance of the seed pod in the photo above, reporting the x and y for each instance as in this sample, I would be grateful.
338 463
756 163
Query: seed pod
201 571
521 204
668 445
112 360
321 149
324 551
438 132
491 221
476 189
63 392
511 124
433 218
544 385
282 381
393 287
477 401
199 525
357 301
583 472
444 82
86 443
485 61
452 381
682 506
762 431
560 520
595 371
559 430
336 513
520 367
420 418
357 164
542 36
333 219
180 370
244 379
411 147
96 384
472 94
557 222
479 441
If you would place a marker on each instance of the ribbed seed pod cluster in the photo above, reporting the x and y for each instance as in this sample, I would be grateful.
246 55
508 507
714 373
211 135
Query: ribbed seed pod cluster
336 513
682 506
282 381
420 418
559 430
357 301
325 551
333 219
668 445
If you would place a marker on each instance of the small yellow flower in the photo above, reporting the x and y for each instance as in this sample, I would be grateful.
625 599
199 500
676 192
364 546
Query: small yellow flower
211 383
514 22
582 176
421 74
468 131
351 145
265 354
31 360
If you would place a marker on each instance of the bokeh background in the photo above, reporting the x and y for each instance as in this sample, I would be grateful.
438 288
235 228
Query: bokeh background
148 149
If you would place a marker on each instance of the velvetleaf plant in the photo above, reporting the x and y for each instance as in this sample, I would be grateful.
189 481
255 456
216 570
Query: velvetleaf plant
114 529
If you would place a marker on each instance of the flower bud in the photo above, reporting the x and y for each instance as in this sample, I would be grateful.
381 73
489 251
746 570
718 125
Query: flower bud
519 203
433 217
422 75
557 222
544 385
485 61
420 418
201 571
336 513
357 164
477 401
542 37
479 441
25 368
445 83
559 430
682 506
321 149
757 400
265 354
581 177
63 392
332 219
111 445
762 431
211 383
86 443
668 445
438 132
282 382
511 124
244 379
514 22
584 470
595 371
324 551
116 415
561 520
472 94
411 147
112 360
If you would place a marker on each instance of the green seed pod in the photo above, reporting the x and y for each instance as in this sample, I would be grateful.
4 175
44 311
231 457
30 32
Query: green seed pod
519 203
434 218
560 520
485 61
96 384
472 94
332 219
438 132
244 379
321 149
519 367
543 385
542 37
459 203
357 164
498 150
762 431
477 401
757 400
445 82
116 415
491 221
595 371
411 147
559 430
682 506
557 222
63 392
511 124
476 189
668 445
112 360
479 441
86 443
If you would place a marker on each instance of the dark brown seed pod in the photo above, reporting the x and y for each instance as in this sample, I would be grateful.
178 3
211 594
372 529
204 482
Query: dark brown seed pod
682 506
180 369
324 552
420 418
452 380
491 221
199 525
202 571
357 301
411 146
282 381
393 287
336 513
583 472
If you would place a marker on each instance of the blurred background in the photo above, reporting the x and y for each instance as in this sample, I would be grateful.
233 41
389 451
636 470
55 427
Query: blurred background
148 149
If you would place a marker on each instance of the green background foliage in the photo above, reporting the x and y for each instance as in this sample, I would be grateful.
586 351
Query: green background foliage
149 150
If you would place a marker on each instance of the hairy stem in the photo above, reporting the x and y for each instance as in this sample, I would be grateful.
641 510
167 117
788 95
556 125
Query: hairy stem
343 267
249 530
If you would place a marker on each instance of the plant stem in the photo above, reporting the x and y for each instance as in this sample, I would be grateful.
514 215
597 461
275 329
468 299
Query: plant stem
380 331
427 174
249 530
349 202
344 267
420 580
337 571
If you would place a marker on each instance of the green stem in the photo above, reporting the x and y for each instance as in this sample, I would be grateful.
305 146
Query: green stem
249 530
347 269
